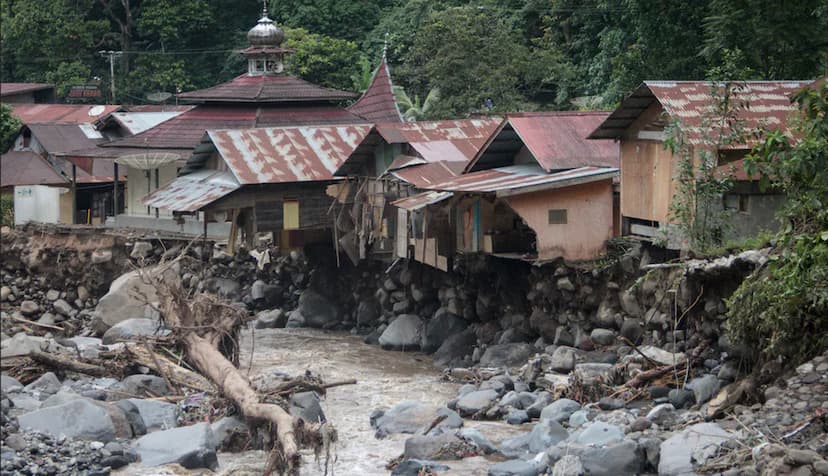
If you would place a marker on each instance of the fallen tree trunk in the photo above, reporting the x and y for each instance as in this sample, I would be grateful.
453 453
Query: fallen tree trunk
200 325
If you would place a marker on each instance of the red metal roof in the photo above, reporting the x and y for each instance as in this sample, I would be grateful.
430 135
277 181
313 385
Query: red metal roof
62 113
473 132
265 88
10 89
160 108
287 154
60 139
185 131
522 179
557 140
759 104
427 175
192 192
416 202
378 103
27 168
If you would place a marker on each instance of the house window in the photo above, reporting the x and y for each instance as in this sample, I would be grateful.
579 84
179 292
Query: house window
557 216
290 214
738 202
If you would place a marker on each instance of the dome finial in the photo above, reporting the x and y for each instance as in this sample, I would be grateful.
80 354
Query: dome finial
264 8
265 33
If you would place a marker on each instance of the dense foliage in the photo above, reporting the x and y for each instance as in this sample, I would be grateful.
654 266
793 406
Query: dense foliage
481 55
9 127
782 309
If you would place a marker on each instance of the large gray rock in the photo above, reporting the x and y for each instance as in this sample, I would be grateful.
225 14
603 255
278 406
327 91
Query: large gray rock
507 355
473 436
368 312
416 467
569 465
704 388
9 384
599 433
515 467
439 328
560 410
46 384
125 300
22 344
315 310
142 386
156 415
412 417
190 446
223 287
80 419
305 405
130 329
563 359
275 318
404 333
437 447
227 430
694 445
615 459
545 434
455 348
474 402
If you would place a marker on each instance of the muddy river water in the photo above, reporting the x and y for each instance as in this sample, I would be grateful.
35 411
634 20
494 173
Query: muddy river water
384 378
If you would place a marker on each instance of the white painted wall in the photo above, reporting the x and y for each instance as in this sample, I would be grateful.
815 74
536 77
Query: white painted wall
137 189
37 203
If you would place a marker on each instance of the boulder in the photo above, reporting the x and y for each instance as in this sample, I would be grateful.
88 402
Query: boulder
519 400
602 336
80 418
515 467
517 417
142 386
133 417
569 465
305 405
704 388
155 414
47 384
681 398
417 467
130 329
227 430
563 359
615 459
560 410
412 417
29 308
223 287
473 436
541 401
190 446
437 447
368 312
599 433
455 348
507 355
594 373
63 308
404 333
474 402
692 446
275 318
317 311
123 301
22 344
546 433
656 354
141 249
9 384
439 328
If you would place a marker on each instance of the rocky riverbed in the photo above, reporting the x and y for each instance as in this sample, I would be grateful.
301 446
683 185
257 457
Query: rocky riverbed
621 367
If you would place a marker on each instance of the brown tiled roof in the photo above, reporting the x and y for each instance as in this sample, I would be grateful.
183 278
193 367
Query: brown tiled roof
378 103
265 88
59 139
185 131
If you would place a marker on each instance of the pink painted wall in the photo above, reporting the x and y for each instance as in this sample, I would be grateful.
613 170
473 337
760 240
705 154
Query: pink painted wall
589 219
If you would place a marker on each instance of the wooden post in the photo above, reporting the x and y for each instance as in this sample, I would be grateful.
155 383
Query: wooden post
74 194
156 187
115 192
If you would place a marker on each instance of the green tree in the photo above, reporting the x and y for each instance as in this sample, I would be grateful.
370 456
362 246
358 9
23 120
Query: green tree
414 110
777 40
9 127
68 74
344 19
323 60
781 310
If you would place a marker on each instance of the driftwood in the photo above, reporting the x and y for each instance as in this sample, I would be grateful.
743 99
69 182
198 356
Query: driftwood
649 375
202 325
75 365
141 355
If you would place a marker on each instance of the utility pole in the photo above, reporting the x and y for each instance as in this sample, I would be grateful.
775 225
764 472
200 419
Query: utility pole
112 55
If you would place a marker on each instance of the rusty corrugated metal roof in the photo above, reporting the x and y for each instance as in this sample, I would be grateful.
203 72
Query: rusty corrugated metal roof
457 139
287 154
428 174
185 131
62 113
25 167
378 103
416 202
61 139
265 88
522 179
137 122
558 140
758 104
193 192
10 89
